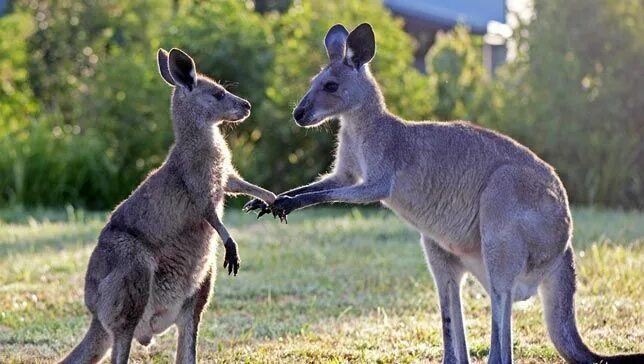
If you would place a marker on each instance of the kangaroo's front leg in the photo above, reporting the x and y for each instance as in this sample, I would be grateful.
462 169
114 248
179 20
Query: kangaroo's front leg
231 258
341 177
363 193
335 180
236 184
262 199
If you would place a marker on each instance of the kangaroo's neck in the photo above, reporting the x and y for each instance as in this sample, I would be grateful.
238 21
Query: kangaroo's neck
370 113
197 141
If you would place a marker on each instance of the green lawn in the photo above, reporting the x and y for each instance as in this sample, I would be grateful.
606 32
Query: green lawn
334 285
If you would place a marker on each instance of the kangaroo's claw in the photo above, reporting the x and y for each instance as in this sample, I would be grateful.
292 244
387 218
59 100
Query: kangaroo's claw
264 211
254 204
231 259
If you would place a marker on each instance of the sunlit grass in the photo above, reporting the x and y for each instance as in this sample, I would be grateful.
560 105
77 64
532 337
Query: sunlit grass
334 285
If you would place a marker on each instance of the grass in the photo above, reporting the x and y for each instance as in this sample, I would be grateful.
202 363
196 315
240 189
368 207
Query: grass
334 285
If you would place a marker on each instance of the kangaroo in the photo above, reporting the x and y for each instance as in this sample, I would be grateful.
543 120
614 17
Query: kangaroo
483 203
153 265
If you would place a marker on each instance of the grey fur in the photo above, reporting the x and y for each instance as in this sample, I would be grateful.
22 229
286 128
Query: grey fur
153 265
335 42
482 203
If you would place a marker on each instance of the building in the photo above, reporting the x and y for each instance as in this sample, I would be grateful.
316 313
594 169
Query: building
425 18
4 7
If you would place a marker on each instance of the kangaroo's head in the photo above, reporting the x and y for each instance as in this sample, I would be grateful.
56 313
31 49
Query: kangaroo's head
345 84
198 100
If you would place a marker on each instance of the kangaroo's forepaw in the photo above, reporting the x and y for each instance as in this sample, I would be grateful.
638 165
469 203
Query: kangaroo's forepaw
257 204
231 259
281 215
283 206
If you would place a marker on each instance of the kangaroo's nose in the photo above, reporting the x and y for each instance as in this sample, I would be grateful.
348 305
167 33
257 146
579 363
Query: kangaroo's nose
246 105
298 114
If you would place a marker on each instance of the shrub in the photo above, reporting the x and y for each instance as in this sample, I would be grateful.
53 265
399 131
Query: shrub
460 86
92 133
575 96
17 104
84 115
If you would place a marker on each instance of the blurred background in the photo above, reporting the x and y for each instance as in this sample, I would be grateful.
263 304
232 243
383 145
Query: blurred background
84 115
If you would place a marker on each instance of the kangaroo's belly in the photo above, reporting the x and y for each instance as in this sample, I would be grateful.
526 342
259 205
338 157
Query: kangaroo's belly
156 320
456 232
181 269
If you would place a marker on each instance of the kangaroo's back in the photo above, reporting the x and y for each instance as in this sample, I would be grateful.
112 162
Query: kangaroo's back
442 168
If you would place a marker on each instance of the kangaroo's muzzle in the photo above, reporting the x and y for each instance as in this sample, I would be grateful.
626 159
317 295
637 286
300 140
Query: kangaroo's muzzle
298 114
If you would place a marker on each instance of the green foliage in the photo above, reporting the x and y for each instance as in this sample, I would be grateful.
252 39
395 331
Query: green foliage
93 74
461 87
17 105
74 38
84 115
53 164
575 95
101 119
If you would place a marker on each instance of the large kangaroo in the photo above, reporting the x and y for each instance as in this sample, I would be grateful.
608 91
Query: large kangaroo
483 203
152 267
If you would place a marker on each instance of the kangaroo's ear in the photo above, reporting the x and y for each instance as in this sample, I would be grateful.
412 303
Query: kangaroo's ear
182 69
162 62
361 46
335 42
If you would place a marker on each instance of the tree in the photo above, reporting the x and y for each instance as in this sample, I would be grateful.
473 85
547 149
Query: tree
575 95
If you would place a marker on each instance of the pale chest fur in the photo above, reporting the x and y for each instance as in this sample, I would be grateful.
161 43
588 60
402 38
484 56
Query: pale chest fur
353 153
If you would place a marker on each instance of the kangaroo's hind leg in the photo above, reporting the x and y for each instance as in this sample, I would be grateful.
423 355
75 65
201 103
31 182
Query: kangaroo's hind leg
503 265
503 221
124 293
448 274
188 322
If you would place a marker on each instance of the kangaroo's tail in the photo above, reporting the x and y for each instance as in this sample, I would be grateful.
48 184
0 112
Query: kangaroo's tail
93 347
557 293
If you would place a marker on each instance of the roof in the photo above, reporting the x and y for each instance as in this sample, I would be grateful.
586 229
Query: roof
476 14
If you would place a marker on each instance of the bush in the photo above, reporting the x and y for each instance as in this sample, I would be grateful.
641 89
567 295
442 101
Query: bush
100 121
460 86
84 115
17 104
575 96
101 101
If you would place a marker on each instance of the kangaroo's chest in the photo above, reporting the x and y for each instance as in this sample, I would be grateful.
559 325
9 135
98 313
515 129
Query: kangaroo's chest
353 153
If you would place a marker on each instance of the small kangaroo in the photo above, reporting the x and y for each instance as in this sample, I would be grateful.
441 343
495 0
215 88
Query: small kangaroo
153 265
482 202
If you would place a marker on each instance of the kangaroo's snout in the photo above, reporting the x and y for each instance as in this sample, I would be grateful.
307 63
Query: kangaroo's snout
240 110
298 114
303 113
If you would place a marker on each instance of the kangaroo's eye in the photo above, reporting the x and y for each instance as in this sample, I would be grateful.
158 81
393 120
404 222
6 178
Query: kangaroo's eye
331 87
219 95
